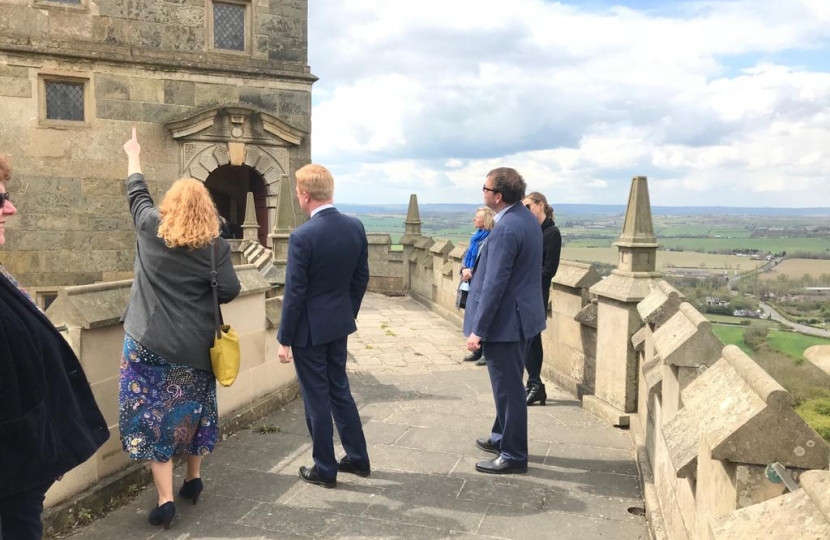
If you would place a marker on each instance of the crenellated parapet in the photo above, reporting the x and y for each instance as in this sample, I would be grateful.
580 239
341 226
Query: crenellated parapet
386 266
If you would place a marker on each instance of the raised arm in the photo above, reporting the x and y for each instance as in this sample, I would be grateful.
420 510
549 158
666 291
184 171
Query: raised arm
138 196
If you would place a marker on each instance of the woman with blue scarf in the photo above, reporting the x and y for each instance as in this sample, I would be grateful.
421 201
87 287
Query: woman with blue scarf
483 222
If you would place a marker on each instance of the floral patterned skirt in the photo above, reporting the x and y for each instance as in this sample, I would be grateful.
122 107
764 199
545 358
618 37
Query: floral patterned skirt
166 409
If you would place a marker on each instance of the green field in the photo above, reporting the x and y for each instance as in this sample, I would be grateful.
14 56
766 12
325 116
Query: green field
744 321
792 344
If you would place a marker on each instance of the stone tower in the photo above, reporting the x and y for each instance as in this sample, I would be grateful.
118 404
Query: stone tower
218 90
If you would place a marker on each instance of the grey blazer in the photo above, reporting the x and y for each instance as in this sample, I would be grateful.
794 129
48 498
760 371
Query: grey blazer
171 302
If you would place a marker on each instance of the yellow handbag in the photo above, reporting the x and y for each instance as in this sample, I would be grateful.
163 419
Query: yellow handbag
224 355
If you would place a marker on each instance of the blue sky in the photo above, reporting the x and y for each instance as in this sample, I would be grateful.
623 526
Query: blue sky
723 102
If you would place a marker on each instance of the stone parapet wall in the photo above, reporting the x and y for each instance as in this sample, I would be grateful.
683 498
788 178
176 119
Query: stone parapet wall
386 267
90 315
710 422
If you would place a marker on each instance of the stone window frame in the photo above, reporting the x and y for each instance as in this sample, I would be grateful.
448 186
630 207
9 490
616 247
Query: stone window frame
247 4
47 77
83 5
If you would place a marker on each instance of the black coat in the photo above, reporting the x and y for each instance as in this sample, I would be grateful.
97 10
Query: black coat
49 421
551 249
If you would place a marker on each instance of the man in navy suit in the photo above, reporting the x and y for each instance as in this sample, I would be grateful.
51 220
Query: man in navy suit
504 311
326 278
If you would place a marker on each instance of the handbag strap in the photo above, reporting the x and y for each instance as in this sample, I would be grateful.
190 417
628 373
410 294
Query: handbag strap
214 283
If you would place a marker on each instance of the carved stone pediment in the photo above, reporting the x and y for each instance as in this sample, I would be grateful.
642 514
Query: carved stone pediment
238 123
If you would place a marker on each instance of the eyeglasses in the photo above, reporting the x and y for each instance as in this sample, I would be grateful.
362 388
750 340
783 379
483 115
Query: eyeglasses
3 198
485 188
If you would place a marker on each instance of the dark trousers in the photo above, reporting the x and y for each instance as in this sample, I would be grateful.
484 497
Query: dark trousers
321 371
20 514
533 364
505 363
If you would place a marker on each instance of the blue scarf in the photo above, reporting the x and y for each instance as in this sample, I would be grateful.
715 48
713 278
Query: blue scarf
475 243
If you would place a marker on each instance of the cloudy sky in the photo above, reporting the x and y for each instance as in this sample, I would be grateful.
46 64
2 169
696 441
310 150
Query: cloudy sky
721 102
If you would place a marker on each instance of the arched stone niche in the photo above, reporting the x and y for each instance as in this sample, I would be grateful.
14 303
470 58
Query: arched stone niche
238 135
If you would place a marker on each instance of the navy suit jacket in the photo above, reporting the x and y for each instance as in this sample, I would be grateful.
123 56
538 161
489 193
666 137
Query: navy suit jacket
503 303
326 278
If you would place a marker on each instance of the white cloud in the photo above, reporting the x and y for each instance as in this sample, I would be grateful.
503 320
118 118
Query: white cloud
710 99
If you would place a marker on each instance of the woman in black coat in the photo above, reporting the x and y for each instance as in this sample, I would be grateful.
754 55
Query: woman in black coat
49 421
551 248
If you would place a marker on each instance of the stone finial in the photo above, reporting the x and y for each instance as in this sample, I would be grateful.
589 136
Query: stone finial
285 221
637 244
250 227
412 222
638 229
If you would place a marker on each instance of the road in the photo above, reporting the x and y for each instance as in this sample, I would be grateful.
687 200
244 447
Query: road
801 328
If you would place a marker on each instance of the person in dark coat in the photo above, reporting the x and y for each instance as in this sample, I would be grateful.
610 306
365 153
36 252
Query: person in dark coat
49 421
551 249
504 313
326 278
167 390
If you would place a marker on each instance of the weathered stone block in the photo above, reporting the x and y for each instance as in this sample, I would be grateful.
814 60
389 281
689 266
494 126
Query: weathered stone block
146 90
215 94
16 72
70 25
186 15
179 92
15 87
112 87
119 110
22 20
182 38
161 112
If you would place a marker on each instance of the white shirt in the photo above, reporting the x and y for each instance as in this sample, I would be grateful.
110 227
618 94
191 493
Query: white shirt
498 216
314 212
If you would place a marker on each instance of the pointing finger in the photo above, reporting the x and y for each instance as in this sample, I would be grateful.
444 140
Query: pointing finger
134 137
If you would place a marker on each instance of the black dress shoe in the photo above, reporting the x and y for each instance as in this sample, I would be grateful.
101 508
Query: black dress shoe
472 357
311 476
191 490
163 515
481 361
537 394
488 446
500 466
348 466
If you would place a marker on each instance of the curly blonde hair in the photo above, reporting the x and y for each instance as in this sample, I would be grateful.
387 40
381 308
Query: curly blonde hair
188 216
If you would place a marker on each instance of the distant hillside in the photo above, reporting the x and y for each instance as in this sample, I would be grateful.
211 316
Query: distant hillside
594 209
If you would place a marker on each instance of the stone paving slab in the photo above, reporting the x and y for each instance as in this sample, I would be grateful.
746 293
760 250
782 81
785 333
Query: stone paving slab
422 408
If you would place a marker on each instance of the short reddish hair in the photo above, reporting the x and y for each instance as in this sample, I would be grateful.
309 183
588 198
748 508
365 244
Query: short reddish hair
5 169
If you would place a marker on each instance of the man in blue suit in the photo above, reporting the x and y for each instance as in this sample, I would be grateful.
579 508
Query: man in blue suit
326 278
504 311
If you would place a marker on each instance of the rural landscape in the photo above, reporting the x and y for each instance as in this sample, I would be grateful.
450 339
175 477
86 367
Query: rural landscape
736 265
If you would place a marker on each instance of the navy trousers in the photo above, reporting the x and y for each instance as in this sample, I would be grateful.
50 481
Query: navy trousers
20 514
506 365
321 371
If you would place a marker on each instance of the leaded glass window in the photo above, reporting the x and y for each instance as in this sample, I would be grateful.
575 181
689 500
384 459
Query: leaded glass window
229 26
65 100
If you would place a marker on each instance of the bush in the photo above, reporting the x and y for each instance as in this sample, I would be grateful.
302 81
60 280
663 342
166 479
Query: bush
755 336
816 412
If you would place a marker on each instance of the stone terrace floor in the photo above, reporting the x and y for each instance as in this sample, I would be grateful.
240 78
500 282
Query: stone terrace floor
422 409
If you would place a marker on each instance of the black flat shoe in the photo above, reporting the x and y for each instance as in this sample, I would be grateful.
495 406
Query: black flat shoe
488 446
500 466
163 515
191 490
537 394
311 476
347 466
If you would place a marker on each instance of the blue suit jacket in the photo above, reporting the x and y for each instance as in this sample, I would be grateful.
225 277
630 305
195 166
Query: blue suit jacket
326 278
504 299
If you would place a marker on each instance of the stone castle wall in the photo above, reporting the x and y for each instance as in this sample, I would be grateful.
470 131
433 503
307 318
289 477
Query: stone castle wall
143 64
